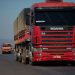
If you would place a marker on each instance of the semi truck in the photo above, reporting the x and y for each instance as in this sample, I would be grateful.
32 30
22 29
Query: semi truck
6 48
45 32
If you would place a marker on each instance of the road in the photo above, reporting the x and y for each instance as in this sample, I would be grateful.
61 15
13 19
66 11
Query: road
8 66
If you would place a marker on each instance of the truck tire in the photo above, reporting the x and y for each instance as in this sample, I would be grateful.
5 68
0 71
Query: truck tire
30 60
16 58
9 52
20 59
31 63
20 55
25 60
3 52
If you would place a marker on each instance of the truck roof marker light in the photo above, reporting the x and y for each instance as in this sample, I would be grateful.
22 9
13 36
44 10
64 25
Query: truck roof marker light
53 1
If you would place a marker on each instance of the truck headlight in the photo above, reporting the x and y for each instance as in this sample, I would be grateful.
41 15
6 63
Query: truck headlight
74 54
73 48
37 49
69 48
43 33
38 54
45 48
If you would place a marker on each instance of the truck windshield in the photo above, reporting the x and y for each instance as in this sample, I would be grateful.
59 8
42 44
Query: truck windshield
6 45
55 17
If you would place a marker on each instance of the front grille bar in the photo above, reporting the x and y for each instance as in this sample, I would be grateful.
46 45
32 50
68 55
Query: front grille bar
57 39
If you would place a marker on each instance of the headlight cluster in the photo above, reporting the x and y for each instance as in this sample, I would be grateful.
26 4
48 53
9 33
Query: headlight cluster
45 48
38 54
70 48
73 48
43 33
37 49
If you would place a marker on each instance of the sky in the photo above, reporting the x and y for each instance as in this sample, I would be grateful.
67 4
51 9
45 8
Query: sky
9 10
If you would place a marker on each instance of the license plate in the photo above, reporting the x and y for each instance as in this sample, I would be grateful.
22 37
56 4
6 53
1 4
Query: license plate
57 56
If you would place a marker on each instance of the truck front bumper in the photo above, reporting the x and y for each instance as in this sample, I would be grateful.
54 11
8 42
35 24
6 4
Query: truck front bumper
41 56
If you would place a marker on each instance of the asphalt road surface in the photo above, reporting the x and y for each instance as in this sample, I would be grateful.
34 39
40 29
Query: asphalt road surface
8 66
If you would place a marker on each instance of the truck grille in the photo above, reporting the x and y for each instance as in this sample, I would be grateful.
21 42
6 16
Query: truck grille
57 39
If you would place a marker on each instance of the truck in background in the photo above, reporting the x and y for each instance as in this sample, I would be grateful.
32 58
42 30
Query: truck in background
45 32
6 48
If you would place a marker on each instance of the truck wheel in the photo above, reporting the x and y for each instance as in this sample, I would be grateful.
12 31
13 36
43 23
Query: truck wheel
2 52
30 60
20 58
25 59
9 52
16 58
32 63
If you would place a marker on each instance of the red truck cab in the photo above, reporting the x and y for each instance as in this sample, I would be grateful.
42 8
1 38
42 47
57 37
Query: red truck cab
45 32
53 31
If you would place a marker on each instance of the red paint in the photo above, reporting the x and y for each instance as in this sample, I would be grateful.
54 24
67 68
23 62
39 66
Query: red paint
47 56
36 35
22 39
55 4
51 54
74 36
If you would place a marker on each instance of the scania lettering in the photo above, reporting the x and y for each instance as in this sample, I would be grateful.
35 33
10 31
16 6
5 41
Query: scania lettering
56 28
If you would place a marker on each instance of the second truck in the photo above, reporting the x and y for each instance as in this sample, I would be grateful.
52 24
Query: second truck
45 32
6 48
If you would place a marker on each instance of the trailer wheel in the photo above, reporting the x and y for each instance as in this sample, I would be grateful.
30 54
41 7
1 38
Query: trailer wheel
2 52
20 59
31 63
25 60
16 58
30 60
